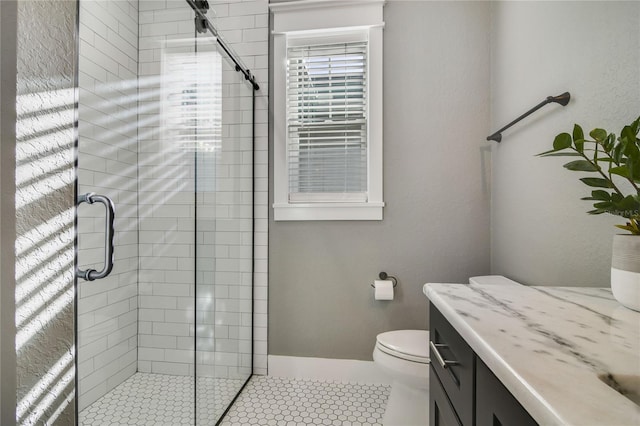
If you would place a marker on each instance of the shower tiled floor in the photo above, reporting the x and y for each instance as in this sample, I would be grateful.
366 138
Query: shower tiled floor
155 399
161 400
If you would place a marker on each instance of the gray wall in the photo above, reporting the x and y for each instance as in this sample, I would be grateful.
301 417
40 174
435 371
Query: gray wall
540 232
436 219
8 12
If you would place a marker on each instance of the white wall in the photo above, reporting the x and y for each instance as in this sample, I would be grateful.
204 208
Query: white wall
107 165
166 197
223 227
540 232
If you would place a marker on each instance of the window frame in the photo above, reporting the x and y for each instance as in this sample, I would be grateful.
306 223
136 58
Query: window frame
321 21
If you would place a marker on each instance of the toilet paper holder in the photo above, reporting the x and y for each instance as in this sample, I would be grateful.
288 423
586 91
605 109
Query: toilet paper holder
383 276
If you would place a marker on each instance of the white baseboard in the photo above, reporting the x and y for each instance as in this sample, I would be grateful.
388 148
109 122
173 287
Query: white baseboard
344 370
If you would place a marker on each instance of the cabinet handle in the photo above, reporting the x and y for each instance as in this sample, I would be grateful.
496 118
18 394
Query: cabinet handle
443 362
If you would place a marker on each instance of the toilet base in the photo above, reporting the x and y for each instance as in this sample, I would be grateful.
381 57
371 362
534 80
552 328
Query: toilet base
407 406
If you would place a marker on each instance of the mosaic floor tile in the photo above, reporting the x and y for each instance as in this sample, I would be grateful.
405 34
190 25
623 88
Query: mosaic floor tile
163 400
295 402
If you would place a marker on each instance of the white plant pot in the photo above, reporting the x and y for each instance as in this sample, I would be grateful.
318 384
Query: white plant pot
625 270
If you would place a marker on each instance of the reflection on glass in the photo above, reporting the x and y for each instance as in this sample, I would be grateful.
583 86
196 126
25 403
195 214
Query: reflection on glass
166 132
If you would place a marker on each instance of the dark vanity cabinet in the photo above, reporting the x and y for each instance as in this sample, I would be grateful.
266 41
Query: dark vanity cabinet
462 389
452 370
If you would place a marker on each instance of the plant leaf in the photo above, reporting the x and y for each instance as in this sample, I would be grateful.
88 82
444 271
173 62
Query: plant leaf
620 171
598 134
627 228
629 147
599 194
628 134
596 211
627 207
562 141
559 154
616 198
605 205
609 142
634 169
577 132
578 138
617 153
635 126
581 166
596 182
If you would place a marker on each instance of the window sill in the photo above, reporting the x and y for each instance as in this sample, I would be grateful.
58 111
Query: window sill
328 211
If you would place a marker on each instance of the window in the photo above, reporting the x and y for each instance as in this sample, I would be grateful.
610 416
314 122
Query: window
326 122
328 112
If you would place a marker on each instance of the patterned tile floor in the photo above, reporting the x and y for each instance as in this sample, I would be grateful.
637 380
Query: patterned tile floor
159 400
295 402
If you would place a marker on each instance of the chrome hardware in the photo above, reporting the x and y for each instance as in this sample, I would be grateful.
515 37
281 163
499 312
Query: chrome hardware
92 274
443 362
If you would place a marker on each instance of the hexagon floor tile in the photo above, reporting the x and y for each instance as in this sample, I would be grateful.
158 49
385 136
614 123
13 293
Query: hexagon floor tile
295 402
163 400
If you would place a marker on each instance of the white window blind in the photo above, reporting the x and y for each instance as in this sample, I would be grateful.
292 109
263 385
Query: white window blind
327 122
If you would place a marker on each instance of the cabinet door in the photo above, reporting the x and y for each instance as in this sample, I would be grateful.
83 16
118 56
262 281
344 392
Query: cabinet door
441 411
457 374
495 406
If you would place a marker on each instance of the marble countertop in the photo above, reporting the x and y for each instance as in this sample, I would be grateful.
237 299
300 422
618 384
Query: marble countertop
548 345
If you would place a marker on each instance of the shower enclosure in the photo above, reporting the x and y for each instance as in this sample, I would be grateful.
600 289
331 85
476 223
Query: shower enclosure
165 125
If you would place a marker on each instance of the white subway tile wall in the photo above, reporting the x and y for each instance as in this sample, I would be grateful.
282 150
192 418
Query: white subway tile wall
223 228
144 316
107 164
166 324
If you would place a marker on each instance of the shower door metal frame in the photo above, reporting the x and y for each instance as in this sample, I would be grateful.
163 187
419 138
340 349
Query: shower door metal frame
239 67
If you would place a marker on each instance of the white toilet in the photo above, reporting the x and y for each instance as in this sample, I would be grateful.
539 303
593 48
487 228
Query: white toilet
404 355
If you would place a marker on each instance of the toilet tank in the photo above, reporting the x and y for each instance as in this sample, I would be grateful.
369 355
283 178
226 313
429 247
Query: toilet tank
492 280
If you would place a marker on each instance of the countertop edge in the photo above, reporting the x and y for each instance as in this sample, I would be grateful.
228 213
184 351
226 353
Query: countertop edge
537 407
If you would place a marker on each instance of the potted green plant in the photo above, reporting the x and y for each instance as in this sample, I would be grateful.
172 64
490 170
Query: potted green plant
614 162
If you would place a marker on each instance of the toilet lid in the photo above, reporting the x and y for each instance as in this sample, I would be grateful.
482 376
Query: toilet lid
410 344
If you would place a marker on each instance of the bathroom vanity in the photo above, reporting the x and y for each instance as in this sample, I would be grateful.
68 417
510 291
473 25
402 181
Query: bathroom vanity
518 355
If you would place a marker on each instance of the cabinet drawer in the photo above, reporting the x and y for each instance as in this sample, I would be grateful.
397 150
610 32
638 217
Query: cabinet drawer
441 412
457 378
495 404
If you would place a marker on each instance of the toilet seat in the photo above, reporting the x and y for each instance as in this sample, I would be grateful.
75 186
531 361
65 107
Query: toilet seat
410 345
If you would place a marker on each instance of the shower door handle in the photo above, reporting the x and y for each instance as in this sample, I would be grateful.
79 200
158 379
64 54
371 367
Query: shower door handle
92 274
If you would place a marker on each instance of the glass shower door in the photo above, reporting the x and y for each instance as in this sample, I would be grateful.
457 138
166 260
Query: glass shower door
224 232
136 327
166 132
108 155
